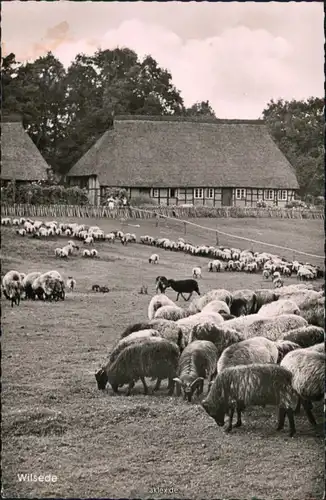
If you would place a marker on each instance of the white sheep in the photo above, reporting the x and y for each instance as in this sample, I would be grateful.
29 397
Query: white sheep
278 282
196 272
214 265
58 252
86 253
89 240
94 253
170 312
274 328
308 377
12 287
158 301
154 259
283 306
216 306
6 221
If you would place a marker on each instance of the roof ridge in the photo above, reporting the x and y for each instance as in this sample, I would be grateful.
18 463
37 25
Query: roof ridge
191 119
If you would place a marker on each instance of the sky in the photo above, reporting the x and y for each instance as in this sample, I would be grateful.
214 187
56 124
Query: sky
237 55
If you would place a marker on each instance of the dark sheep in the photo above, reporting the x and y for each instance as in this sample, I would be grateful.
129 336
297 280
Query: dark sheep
258 384
157 359
184 286
306 336
96 288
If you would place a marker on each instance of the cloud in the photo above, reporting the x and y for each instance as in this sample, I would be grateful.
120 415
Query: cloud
237 55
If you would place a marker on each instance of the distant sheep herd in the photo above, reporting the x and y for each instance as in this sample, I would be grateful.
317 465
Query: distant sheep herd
254 347
224 259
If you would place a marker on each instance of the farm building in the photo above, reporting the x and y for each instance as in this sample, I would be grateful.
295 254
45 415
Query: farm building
20 159
177 161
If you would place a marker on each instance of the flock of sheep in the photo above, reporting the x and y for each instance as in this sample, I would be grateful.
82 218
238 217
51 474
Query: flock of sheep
43 286
254 347
224 258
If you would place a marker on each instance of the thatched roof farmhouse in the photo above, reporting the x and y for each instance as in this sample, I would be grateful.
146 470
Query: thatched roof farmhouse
20 159
179 160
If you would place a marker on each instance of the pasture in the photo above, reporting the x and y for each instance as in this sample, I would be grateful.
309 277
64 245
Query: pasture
56 421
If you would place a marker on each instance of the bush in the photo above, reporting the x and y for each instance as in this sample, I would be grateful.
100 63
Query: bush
44 193
142 201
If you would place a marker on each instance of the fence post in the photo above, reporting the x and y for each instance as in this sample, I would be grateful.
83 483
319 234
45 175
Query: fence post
216 235
185 227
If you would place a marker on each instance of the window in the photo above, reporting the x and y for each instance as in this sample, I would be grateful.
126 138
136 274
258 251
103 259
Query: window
173 193
155 193
209 193
269 194
283 195
198 193
240 194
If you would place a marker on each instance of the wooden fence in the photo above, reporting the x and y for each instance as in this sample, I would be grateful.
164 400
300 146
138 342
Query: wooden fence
26 210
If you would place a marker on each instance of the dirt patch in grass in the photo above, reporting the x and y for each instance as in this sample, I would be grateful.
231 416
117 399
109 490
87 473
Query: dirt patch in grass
100 445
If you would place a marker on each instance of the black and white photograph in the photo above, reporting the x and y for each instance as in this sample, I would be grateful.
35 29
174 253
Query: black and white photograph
162 250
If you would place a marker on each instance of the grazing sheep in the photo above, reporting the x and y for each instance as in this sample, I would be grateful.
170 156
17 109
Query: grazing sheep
12 287
196 272
58 252
49 286
172 313
184 286
27 284
197 362
284 347
94 253
96 288
214 265
156 358
200 318
254 325
220 336
278 282
71 283
318 347
156 302
258 384
133 337
5 221
216 306
219 294
167 329
104 289
266 274
256 350
308 377
264 296
154 259
279 307
306 336
86 253
89 240
243 302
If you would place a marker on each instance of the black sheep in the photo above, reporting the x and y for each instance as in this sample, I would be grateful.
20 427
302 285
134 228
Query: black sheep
184 286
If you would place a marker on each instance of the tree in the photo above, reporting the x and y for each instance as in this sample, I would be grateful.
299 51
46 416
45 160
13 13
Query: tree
9 87
298 129
112 82
202 108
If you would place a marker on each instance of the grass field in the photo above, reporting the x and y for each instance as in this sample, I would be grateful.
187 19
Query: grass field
55 421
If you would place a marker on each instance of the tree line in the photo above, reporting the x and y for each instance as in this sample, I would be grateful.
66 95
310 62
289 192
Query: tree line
66 110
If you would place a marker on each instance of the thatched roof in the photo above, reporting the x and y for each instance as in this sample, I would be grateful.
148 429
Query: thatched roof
168 152
20 158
